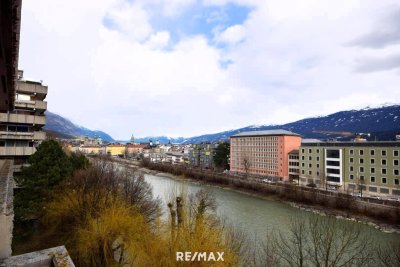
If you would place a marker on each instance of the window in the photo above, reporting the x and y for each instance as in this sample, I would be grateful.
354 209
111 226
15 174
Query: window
362 177
351 151
384 162
309 150
396 162
395 153
302 157
372 152
396 181
383 180
351 176
351 168
317 173
302 150
351 160
317 150
372 179
310 158
361 161
396 172
310 165
332 153
302 171
372 170
372 161
383 171
361 169
317 158
361 152
310 172
384 153
317 165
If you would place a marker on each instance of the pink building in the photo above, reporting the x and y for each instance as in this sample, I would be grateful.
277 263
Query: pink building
263 153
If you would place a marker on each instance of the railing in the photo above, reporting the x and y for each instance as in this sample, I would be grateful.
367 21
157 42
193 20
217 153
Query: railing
42 105
23 135
17 151
26 87
22 118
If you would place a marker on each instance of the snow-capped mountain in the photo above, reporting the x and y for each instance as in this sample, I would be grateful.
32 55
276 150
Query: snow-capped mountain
63 127
382 123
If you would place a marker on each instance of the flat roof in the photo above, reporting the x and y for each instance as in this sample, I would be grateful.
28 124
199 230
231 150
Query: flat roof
266 132
356 144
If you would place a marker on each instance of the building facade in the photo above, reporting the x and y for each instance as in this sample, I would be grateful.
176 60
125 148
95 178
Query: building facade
202 155
263 153
294 165
21 129
368 167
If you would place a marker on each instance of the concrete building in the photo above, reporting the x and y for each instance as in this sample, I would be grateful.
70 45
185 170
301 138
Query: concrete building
202 155
21 129
10 21
263 153
370 167
293 165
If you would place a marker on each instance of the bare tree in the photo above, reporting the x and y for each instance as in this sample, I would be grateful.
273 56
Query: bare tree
389 255
323 241
246 165
137 192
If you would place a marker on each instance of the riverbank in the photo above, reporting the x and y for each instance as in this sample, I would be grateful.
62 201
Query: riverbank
319 205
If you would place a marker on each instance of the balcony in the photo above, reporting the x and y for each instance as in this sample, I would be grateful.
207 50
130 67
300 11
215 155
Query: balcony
29 88
22 119
37 136
17 151
27 104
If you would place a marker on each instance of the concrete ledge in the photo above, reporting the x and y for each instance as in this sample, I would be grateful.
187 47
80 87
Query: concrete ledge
57 256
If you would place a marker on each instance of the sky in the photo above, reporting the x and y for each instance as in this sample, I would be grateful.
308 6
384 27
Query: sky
191 67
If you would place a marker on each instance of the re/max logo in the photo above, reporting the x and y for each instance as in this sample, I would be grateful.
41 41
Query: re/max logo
199 256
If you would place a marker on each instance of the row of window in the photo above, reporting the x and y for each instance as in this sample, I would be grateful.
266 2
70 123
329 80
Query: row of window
372 179
372 152
255 144
372 161
360 152
256 149
273 138
372 170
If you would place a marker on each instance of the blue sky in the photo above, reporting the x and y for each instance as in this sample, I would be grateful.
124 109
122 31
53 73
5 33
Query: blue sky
188 67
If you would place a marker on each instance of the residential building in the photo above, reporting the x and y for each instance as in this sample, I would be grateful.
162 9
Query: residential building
134 149
202 155
293 165
116 149
263 153
21 129
369 167
91 149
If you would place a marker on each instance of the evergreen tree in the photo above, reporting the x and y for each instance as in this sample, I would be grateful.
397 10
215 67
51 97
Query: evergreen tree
221 158
47 168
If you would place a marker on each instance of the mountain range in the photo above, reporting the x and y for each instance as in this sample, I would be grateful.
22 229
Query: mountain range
381 123
64 128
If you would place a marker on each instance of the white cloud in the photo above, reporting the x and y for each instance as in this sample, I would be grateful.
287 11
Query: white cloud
159 39
289 60
232 34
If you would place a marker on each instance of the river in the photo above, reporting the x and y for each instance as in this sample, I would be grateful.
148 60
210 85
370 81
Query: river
256 216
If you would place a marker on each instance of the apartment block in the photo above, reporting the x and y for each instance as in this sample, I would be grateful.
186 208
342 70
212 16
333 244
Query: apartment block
370 167
263 153
202 155
21 128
